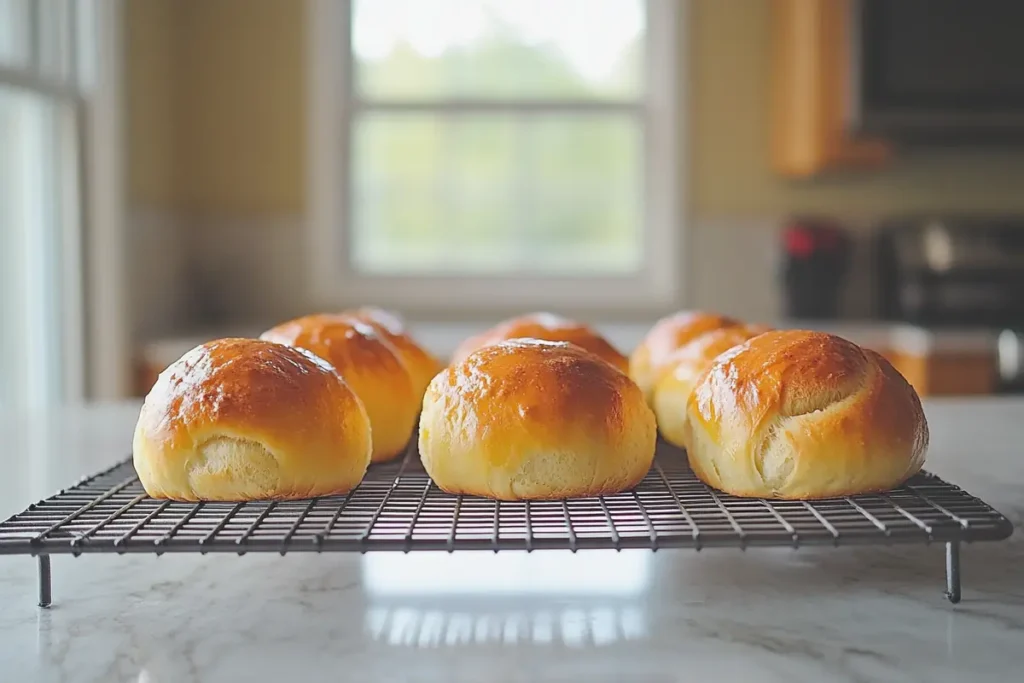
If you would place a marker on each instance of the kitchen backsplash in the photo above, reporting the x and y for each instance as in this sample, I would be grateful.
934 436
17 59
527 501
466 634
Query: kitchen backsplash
195 271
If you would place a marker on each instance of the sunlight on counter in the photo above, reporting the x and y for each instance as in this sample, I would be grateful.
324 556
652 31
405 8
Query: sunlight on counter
571 627
592 573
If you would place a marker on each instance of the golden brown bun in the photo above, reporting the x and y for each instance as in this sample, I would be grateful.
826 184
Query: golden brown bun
369 364
243 419
796 414
648 360
530 419
421 364
548 327
683 368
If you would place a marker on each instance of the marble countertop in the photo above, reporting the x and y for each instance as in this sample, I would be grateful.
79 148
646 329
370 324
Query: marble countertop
847 614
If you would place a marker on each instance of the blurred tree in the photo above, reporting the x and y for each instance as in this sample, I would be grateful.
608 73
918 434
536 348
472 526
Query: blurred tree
493 191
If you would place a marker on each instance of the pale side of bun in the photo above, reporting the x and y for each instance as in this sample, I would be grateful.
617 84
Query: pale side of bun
421 363
649 358
547 327
683 368
803 415
243 419
369 364
528 419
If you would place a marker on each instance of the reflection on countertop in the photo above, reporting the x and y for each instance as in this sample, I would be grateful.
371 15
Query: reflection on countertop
595 573
573 627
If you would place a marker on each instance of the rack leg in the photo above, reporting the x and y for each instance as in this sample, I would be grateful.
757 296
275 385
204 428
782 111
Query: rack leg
44 580
953 571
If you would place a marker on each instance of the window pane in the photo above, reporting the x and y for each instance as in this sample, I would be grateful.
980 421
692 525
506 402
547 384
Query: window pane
415 49
15 48
86 29
497 193
55 39
33 151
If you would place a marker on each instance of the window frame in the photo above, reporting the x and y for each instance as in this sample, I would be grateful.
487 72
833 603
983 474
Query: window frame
96 332
335 282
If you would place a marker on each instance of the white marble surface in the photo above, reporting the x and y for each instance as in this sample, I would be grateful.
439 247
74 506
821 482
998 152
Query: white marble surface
868 614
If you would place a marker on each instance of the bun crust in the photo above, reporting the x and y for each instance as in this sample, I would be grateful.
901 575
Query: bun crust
528 420
547 327
421 364
648 361
683 368
803 415
242 419
369 364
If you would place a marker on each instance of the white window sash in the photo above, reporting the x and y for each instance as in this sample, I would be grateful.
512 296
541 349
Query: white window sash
108 323
332 108
51 363
95 334
25 79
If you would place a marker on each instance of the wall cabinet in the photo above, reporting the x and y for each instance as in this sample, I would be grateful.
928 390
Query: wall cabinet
811 67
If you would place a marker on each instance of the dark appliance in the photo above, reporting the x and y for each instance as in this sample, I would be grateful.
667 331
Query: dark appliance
956 273
938 70
816 258
952 272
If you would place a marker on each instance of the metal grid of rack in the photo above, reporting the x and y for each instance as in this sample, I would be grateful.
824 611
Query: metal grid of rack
397 507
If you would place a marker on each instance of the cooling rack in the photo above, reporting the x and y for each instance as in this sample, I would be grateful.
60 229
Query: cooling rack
398 508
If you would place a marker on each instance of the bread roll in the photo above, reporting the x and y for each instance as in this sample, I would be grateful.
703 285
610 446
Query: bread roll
648 360
803 415
421 364
528 419
548 327
369 364
683 368
242 419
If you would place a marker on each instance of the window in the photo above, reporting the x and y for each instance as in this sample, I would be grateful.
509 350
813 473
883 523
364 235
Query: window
49 124
470 152
35 144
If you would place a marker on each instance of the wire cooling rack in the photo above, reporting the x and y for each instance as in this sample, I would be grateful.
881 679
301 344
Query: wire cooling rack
397 507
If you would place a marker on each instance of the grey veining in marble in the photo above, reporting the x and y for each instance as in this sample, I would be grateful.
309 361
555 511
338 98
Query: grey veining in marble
848 614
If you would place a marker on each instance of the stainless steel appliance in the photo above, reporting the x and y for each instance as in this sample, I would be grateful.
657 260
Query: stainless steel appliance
1010 361
957 272
952 272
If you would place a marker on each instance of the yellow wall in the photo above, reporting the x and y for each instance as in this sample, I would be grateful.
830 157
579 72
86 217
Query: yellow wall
242 113
216 98
151 100
729 165
217 120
